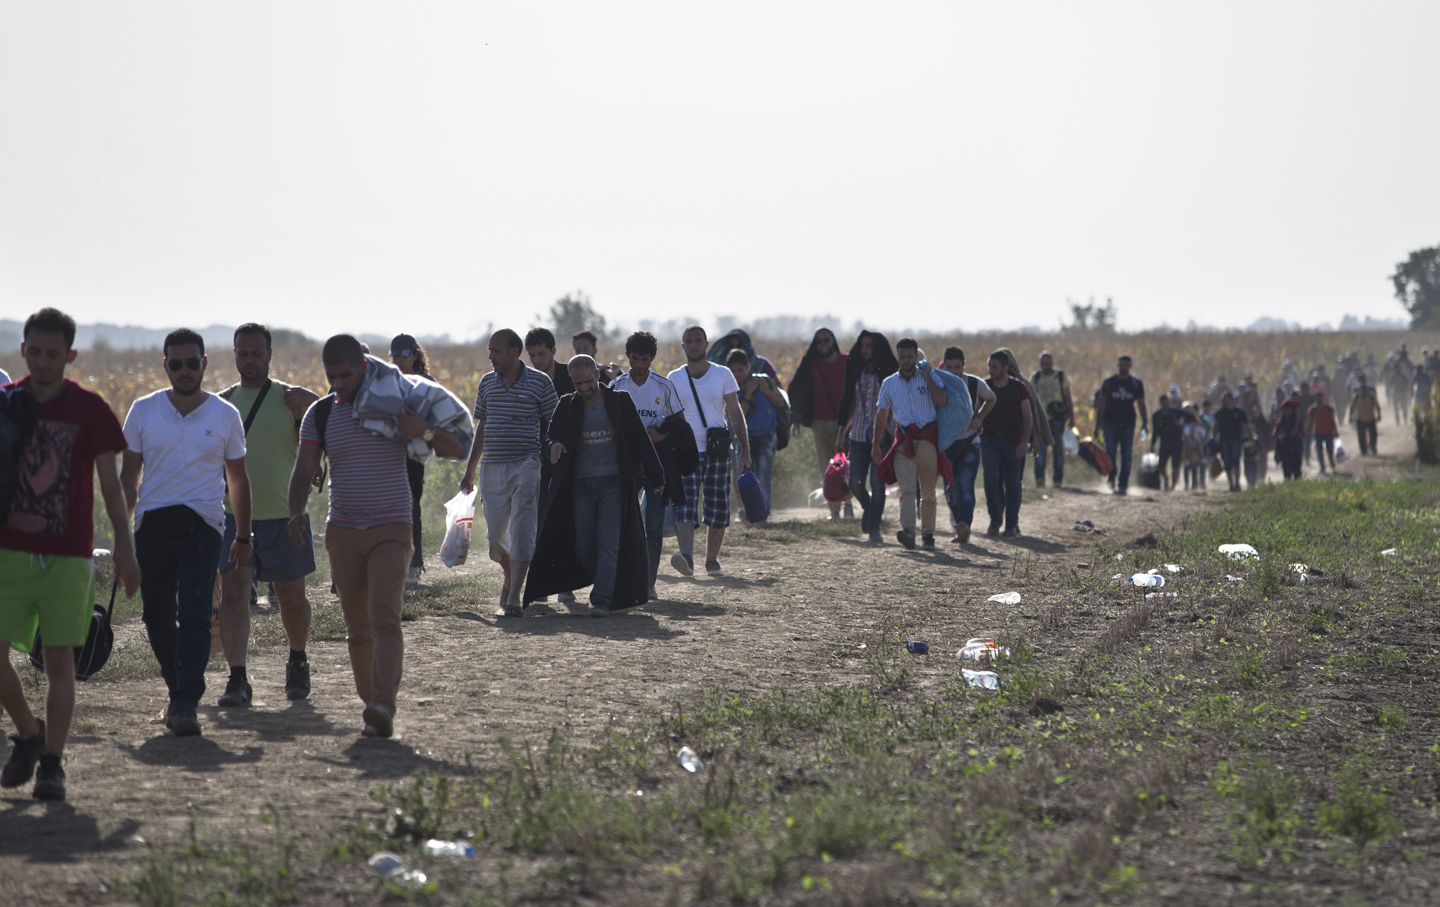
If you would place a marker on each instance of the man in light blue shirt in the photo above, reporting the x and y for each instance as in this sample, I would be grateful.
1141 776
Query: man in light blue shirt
911 397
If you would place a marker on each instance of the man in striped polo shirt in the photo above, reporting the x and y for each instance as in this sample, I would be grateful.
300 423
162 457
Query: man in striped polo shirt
367 531
513 405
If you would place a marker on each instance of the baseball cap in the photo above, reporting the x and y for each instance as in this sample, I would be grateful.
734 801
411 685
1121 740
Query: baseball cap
403 345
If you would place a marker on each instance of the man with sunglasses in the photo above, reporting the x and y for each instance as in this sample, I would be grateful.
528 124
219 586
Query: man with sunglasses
184 445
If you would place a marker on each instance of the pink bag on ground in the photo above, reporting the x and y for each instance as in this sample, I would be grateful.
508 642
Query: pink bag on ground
837 479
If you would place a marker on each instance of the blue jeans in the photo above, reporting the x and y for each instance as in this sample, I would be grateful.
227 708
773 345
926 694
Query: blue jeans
872 505
762 461
1121 437
599 508
1003 472
178 553
960 493
1057 431
654 531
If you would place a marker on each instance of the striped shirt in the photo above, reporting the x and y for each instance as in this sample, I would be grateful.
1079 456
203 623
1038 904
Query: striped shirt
369 485
908 401
655 399
514 417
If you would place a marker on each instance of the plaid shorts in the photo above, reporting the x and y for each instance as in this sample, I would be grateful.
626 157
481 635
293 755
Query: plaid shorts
713 475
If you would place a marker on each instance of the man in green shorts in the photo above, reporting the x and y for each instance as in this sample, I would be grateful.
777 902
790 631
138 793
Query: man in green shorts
271 412
47 542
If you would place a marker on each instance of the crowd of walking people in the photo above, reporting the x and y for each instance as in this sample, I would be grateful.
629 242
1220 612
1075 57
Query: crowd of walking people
581 468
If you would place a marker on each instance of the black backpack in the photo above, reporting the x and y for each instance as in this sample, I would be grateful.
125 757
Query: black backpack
17 421
90 657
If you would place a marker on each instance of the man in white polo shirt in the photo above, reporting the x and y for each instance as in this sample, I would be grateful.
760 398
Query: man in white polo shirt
709 393
188 443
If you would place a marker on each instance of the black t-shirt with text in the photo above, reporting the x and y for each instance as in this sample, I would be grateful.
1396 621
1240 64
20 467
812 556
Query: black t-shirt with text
1120 396
1167 424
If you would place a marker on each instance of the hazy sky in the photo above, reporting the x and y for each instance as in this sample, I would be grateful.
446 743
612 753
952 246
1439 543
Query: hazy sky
438 166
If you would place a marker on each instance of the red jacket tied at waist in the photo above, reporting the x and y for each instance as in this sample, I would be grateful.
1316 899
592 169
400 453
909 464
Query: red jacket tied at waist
907 436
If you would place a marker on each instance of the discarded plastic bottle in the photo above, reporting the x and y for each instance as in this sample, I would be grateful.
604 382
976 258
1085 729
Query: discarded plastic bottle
393 869
437 848
1006 598
916 647
1148 580
689 761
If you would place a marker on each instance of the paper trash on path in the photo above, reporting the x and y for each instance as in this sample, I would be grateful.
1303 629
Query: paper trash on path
982 650
1006 598
1390 552
1239 552
981 680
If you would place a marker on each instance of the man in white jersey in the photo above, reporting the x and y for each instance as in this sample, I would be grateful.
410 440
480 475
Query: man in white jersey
656 399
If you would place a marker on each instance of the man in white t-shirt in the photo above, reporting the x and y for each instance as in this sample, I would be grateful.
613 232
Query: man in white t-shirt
188 443
709 394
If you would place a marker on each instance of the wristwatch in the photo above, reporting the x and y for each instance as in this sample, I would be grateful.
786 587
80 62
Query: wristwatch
429 434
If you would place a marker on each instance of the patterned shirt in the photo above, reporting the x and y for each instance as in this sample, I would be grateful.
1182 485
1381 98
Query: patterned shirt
867 391
908 401
514 417
369 483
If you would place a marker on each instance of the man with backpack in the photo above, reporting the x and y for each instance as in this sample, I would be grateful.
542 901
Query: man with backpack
1057 408
815 395
47 541
184 448
272 411
367 529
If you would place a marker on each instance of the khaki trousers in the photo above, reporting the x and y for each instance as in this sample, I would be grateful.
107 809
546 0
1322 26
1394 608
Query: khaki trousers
369 566
908 470
825 435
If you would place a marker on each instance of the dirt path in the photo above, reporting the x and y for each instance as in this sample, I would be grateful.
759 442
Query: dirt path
789 614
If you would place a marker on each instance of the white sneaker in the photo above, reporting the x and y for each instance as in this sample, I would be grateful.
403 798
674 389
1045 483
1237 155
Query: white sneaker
413 577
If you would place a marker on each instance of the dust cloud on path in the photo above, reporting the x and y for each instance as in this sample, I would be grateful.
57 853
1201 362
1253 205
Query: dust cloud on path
790 613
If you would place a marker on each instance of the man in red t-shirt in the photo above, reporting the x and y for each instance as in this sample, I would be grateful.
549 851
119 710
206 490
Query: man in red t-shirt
1324 428
815 395
46 545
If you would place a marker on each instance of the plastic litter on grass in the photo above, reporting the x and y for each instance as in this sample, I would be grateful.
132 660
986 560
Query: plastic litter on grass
981 680
982 650
1006 598
1239 552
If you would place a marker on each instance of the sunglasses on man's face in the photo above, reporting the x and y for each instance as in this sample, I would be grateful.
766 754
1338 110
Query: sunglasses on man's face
193 364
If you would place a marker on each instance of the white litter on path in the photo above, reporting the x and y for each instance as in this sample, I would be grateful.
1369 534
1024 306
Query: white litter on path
981 680
982 650
1239 552
1390 552
1006 598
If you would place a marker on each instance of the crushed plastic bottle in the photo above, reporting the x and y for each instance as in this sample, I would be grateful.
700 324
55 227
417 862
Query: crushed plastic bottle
916 647
1006 598
1147 580
438 848
393 869
1239 552
981 680
982 650
689 761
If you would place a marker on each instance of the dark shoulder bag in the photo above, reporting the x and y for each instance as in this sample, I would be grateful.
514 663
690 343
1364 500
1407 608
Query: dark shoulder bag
717 439
90 657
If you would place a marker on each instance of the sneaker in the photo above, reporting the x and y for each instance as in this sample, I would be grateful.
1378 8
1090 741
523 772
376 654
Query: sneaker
297 679
906 538
1012 532
49 779
599 610
874 538
378 721
413 577
962 534
927 543
713 568
683 563
23 757
183 722
1040 482
994 529
237 695
1058 484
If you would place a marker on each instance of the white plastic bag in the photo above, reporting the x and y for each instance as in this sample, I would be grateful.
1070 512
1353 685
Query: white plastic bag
1072 442
459 515
1340 453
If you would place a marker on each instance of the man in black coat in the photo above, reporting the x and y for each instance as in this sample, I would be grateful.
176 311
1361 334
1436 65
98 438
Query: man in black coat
591 528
